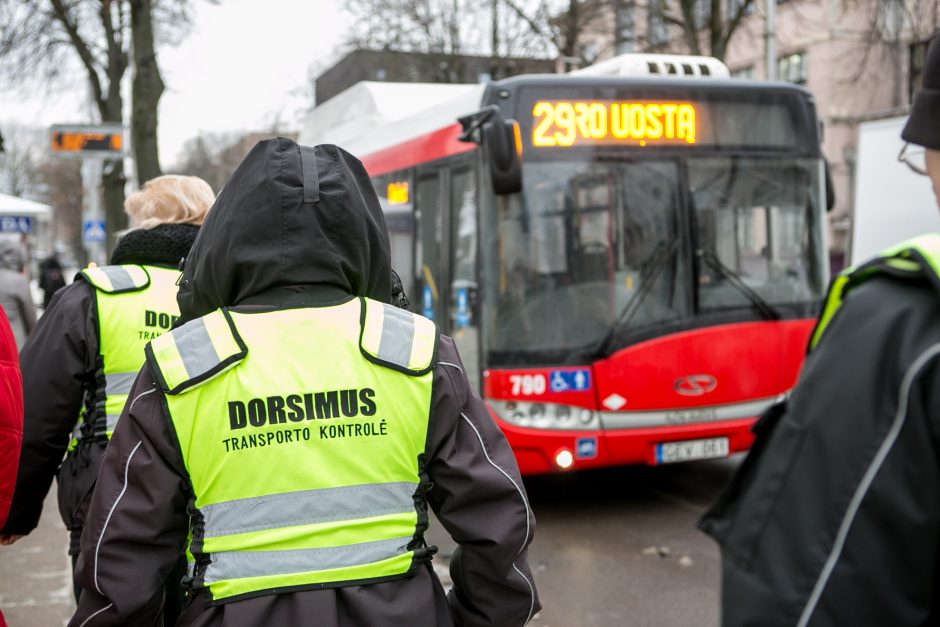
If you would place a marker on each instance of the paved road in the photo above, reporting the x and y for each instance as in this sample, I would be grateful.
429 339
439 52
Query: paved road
613 548
619 547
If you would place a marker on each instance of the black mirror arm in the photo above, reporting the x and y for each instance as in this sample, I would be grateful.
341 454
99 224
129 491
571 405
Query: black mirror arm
471 124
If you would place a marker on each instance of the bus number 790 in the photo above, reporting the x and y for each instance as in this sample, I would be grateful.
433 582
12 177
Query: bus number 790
527 384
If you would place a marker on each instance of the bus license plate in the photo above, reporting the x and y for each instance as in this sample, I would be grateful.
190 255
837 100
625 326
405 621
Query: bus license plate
669 452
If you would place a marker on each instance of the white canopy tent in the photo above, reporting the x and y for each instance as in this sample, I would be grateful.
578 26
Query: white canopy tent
13 206
13 210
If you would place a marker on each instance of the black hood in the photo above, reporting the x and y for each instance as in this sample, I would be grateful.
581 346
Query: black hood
265 231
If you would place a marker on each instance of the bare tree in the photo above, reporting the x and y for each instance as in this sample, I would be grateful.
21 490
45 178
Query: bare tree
443 26
205 156
705 26
213 157
20 160
563 25
42 39
146 90
890 27
566 28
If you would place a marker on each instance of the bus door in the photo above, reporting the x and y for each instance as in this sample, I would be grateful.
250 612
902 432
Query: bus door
394 192
445 268
429 256
463 311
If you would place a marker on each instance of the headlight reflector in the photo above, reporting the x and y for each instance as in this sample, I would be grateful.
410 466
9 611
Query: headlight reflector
539 415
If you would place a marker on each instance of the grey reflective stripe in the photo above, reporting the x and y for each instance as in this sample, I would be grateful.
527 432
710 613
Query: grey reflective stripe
900 416
195 348
307 507
111 421
119 277
119 383
398 332
308 163
242 564
685 416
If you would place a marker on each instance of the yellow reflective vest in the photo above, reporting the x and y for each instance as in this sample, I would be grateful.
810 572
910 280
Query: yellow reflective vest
134 304
917 256
303 434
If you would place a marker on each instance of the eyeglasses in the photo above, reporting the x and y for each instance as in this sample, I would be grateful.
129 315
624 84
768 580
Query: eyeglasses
914 157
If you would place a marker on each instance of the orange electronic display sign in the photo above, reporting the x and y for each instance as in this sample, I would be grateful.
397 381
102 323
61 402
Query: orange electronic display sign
90 141
584 122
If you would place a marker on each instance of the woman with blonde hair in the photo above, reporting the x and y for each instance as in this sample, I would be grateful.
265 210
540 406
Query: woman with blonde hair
84 354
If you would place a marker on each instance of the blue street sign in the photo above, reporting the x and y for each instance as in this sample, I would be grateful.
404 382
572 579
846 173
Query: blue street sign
93 232
427 303
462 318
570 380
585 448
16 224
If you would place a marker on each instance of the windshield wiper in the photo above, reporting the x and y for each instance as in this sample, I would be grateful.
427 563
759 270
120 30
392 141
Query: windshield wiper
662 254
709 257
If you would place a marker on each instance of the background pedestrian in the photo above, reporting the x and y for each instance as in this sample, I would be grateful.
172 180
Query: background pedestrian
88 347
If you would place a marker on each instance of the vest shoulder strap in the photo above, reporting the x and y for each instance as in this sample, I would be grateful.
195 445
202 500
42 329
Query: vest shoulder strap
397 339
917 257
196 352
117 279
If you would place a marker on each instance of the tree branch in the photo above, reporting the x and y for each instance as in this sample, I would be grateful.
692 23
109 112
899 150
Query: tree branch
737 18
117 64
536 29
62 14
685 23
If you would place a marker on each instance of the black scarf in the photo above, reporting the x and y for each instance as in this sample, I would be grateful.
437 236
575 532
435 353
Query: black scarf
163 245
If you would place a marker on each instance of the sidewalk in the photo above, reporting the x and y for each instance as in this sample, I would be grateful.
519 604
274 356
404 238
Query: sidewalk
36 574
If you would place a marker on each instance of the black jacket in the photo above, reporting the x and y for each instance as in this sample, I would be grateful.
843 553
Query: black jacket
61 370
264 248
833 519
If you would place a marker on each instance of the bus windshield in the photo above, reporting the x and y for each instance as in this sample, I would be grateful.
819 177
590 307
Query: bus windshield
755 222
594 253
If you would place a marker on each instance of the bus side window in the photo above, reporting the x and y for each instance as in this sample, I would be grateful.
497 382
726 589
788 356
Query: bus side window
394 192
428 259
464 289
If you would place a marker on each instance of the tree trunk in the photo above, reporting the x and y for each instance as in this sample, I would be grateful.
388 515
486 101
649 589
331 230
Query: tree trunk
494 41
115 219
112 110
145 93
716 27
571 29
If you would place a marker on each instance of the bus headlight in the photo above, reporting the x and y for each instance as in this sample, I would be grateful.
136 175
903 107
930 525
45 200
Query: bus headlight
536 415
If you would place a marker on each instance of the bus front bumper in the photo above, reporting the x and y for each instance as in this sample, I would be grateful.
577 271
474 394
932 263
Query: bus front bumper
541 451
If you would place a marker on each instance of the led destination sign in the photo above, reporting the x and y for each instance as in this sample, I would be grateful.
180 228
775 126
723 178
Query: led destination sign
575 123
104 141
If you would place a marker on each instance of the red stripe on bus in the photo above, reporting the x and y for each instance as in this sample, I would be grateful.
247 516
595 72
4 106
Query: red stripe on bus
431 147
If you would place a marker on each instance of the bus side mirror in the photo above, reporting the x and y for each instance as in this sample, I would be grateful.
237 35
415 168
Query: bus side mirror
502 149
830 188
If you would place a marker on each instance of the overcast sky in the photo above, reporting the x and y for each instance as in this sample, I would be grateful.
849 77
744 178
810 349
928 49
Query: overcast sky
244 65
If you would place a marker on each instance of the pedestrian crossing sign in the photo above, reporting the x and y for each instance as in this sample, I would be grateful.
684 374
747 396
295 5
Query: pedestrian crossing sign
93 232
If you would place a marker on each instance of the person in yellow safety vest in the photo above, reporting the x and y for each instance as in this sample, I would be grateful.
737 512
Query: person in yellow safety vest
295 430
834 517
81 361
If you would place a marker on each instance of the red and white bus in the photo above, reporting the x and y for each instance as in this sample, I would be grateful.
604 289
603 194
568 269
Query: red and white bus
649 290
